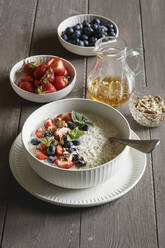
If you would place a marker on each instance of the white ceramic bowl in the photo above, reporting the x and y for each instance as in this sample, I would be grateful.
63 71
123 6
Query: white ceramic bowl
75 178
16 74
71 21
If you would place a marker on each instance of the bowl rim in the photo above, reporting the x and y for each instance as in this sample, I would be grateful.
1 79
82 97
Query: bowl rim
76 170
92 15
13 83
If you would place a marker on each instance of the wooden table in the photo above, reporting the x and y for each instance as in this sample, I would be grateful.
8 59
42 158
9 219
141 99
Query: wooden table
136 220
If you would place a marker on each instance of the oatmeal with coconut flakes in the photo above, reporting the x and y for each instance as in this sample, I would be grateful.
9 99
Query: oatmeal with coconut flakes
75 140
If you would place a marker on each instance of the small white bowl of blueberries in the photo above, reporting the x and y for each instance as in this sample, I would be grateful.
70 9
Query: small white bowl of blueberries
78 34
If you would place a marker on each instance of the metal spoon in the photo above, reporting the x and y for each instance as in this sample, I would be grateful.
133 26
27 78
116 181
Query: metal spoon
145 146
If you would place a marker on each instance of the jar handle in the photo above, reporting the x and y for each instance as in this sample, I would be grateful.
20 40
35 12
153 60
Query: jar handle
138 54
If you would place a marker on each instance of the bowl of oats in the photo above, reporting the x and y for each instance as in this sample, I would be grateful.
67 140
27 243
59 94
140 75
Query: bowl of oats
66 142
148 107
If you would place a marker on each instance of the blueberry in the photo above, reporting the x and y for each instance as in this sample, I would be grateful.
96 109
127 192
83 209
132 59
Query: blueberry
81 26
96 20
95 26
85 119
48 134
80 163
71 149
68 144
76 142
76 157
86 23
104 28
112 34
81 43
64 36
88 31
72 41
35 141
70 125
51 159
77 41
69 31
77 27
85 127
51 150
93 39
76 34
110 25
86 43
84 37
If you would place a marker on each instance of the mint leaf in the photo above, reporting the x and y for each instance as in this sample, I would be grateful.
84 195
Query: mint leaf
89 123
77 117
46 142
74 134
80 119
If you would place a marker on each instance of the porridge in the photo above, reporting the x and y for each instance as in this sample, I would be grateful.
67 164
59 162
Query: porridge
72 140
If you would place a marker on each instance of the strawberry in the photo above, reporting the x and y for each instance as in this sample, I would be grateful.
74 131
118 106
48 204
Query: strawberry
66 74
36 83
48 88
65 117
28 68
59 150
40 71
61 132
41 156
61 163
48 123
39 133
60 82
43 146
58 67
50 62
27 78
26 85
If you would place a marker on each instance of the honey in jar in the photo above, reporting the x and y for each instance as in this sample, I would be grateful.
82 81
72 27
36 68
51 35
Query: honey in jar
112 81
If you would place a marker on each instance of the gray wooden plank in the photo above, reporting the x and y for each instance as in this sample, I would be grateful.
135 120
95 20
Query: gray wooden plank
43 225
14 33
129 221
154 35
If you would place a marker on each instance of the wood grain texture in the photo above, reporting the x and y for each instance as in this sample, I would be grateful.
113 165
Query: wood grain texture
129 221
14 34
32 222
155 60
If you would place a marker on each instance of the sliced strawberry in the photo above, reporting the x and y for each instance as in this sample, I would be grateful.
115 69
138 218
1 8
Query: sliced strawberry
59 150
27 78
48 123
41 156
43 146
48 87
50 62
61 163
49 91
65 117
40 71
39 133
61 132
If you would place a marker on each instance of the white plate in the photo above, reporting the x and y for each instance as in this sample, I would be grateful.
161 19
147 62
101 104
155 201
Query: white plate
119 185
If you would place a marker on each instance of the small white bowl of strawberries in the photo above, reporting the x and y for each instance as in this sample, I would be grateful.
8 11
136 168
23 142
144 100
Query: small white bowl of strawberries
43 78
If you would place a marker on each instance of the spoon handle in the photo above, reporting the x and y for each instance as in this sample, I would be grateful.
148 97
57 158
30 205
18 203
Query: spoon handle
145 146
